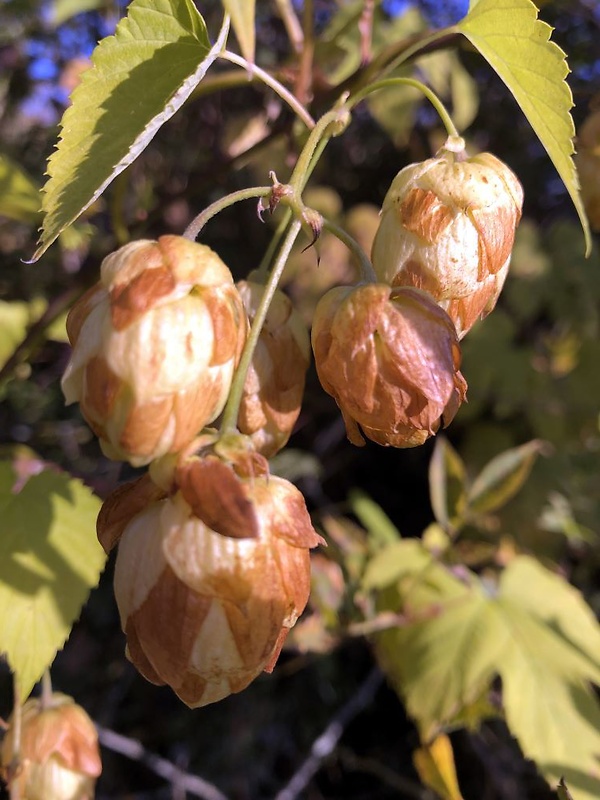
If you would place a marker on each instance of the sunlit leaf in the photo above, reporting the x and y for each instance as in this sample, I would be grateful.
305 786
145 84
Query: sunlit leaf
139 78
444 662
19 195
242 20
562 790
435 764
406 557
15 318
62 10
447 484
49 561
373 518
502 478
552 599
517 45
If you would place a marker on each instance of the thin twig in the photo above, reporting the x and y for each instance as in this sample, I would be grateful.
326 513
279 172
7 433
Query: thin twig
292 24
326 743
303 88
135 751
384 774
273 83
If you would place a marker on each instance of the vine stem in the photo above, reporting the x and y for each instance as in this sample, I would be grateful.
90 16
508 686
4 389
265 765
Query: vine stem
366 268
46 698
337 119
273 83
196 225
230 415
429 94
291 23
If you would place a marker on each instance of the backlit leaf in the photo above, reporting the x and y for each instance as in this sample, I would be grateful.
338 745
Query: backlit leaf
562 607
19 195
242 20
447 484
562 790
49 561
502 478
139 78
435 764
379 526
517 45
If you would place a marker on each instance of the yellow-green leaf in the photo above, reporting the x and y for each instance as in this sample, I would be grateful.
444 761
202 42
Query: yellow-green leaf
242 20
447 477
502 477
373 518
49 561
509 35
139 78
435 764
562 790
19 196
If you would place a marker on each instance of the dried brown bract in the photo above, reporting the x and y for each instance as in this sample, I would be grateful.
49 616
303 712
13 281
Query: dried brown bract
390 358
209 578
59 755
274 383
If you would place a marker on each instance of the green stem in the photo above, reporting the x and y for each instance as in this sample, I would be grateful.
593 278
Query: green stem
337 119
263 268
46 698
429 94
291 23
309 158
366 268
196 225
272 83
230 415
391 58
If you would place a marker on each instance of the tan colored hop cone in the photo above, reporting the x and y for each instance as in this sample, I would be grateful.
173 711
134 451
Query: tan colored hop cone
205 611
274 383
155 344
448 227
390 359
59 755
587 160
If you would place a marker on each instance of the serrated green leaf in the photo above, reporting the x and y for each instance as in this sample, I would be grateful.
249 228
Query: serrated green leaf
373 518
561 606
19 195
242 20
49 561
556 721
442 664
517 45
139 78
502 478
406 557
62 10
562 790
447 484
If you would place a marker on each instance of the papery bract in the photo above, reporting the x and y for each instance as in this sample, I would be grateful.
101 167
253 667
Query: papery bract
155 344
59 754
448 227
275 380
390 359
207 611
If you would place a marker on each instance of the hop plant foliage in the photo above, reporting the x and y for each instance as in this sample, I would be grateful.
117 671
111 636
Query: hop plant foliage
197 380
